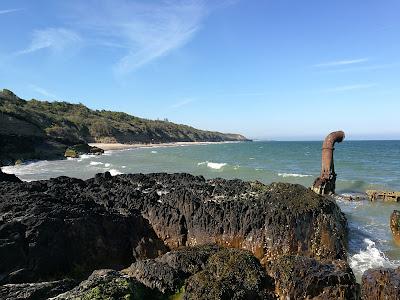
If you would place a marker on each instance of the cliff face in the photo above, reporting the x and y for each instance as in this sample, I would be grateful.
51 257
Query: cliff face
35 129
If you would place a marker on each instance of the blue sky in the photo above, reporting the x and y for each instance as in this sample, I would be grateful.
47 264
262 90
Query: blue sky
274 69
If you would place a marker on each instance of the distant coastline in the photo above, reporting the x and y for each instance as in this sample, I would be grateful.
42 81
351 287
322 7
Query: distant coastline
120 146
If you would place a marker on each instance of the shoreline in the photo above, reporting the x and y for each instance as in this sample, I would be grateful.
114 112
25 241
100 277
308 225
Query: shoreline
119 146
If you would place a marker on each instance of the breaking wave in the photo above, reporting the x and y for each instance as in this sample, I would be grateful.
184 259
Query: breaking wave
212 165
292 175
369 258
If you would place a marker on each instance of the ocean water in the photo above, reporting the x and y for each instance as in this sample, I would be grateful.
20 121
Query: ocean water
360 165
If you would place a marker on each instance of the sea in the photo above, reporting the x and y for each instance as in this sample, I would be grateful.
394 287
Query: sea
360 165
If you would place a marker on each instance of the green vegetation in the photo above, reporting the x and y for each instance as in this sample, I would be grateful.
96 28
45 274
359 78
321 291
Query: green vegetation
75 123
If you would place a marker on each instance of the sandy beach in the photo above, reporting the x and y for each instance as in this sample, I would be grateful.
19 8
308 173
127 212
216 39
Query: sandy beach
118 146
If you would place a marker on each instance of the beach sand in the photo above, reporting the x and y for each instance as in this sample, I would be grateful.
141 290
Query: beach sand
117 146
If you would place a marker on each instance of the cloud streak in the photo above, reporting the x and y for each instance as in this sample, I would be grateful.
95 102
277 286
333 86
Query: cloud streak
144 31
341 62
8 11
55 39
42 91
346 88
182 103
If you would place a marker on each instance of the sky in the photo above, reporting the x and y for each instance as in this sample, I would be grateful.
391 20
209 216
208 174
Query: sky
278 69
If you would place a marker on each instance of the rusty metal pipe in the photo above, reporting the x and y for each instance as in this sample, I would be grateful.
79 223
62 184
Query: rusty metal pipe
327 167
326 182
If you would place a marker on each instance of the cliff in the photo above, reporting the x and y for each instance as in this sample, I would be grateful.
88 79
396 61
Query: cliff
43 130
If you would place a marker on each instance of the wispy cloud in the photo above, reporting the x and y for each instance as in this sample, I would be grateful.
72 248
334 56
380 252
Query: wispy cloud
43 91
346 88
55 39
8 11
182 103
341 62
148 30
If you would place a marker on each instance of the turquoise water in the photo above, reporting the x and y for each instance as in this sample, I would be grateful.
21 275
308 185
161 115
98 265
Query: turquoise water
360 165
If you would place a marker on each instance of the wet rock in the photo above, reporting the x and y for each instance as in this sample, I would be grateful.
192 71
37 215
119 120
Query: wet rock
230 274
109 284
298 277
49 231
32 291
380 284
8 177
395 226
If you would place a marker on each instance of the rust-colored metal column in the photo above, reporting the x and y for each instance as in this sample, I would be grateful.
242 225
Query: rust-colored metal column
325 183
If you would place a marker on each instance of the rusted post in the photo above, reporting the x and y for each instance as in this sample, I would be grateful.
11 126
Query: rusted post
325 183
395 226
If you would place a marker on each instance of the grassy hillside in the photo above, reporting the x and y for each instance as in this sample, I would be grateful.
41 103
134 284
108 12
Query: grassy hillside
62 123
76 122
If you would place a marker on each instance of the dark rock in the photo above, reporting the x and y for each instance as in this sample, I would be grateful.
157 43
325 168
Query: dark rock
168 272
76 150
35 291
380 284
8 177
230 274
48 230
298 277
110 284
269 220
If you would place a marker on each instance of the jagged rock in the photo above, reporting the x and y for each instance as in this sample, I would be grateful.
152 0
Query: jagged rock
110 284
8 177
298 277
168 272
48 230
230 274
269 220
395 226
381 284
35 291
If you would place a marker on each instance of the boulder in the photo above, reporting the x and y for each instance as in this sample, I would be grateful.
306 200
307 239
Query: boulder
35 291
230 274
109 284
395 226
76 150
298 277
4 177
381 284
49 231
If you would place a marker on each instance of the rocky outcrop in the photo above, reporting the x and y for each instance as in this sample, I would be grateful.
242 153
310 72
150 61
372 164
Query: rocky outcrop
48 231
298 277
77 150
66 228
269 220
35 291
110 284
381 284
205 272
4 177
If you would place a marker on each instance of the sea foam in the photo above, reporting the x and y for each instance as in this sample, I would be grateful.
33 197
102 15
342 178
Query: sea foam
292 175
369 258
95 163
212 165
115 172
